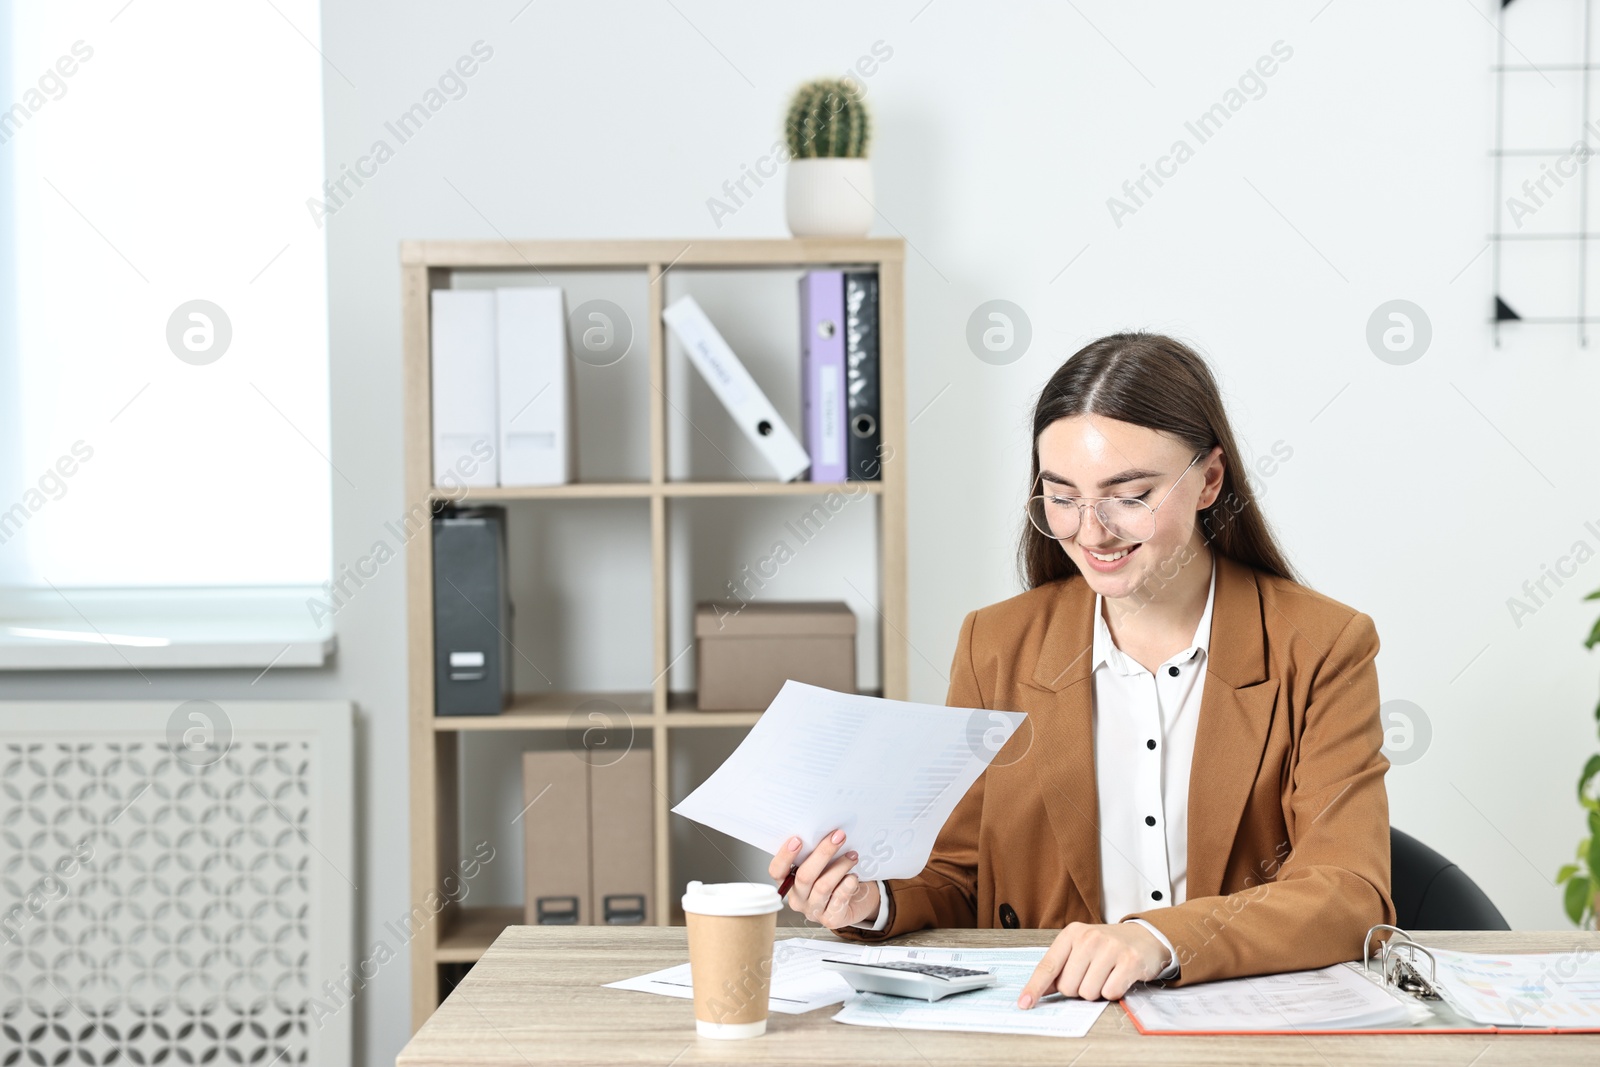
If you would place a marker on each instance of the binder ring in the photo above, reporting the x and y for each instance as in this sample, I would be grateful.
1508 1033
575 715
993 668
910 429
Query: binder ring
1398 971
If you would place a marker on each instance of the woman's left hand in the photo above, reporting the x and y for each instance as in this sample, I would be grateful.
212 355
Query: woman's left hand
1094 960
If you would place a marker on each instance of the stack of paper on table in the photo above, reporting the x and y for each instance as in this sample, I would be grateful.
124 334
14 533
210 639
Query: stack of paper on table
992 1011
800 984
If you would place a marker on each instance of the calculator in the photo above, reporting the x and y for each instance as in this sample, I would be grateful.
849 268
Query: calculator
904 978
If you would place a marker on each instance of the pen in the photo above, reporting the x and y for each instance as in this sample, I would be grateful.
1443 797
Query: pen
788 881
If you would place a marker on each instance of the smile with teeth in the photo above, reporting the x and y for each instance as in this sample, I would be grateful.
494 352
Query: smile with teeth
1111 558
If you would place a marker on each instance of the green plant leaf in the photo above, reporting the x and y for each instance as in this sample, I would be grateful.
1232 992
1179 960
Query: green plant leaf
1590 769
1594 826
1566 872
1594 636
1594 595
1593 859
1576 900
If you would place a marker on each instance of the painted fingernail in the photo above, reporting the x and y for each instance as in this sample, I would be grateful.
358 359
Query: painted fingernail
851 856
794 843
838 837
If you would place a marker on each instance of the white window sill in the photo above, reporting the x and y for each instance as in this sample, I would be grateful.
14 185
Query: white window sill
159 629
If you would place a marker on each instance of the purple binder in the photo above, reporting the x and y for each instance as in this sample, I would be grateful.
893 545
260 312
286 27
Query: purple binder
822 385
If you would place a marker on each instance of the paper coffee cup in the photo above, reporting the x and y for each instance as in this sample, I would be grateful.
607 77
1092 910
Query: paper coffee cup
731 930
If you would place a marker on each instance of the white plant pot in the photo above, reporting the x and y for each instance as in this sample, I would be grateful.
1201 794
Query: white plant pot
828 197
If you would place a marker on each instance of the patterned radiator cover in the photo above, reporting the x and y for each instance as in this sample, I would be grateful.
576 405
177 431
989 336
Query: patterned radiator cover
176 882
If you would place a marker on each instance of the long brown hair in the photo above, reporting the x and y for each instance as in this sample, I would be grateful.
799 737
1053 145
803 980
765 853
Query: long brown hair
1151 380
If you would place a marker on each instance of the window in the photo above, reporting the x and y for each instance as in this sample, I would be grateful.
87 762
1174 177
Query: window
163 298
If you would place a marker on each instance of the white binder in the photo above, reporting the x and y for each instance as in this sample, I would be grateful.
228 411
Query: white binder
464 437
733 386
535 387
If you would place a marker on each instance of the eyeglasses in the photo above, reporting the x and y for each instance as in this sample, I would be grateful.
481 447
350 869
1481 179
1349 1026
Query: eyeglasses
1125 518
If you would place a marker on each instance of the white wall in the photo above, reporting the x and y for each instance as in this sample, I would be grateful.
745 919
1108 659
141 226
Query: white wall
1360 176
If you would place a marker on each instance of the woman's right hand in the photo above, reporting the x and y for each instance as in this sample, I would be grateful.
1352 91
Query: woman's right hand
825 891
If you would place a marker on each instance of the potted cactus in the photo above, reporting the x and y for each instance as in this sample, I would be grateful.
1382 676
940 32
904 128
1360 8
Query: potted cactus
829 186
1582 879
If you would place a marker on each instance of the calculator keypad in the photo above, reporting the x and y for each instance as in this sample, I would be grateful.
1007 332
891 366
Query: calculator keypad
935 969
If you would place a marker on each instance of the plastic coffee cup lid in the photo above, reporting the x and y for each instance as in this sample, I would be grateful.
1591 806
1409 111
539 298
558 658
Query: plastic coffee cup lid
731 898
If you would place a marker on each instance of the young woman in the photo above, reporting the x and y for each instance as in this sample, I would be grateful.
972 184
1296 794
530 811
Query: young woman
1197 792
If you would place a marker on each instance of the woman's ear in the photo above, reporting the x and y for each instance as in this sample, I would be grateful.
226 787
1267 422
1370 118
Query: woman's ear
1215 469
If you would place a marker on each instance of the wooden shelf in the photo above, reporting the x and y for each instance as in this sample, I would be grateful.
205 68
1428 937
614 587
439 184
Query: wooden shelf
439 762
572 491
642 490
768 488
554 711
681 711
666 254
546 711
472 930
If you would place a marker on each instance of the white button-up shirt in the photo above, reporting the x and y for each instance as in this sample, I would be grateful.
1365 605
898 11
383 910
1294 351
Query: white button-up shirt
1144 733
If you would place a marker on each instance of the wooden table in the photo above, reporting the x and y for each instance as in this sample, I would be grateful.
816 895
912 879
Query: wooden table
536 997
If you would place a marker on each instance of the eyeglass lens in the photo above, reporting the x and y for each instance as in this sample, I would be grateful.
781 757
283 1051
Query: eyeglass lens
1125 519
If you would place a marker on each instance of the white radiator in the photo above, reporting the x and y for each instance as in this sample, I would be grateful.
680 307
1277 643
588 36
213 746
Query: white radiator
176 882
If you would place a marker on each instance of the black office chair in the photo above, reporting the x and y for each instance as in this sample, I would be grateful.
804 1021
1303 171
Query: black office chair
1431 893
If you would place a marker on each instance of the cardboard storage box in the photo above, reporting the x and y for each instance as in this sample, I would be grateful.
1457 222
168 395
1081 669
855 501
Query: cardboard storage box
622 840
557 881
745 652
588 834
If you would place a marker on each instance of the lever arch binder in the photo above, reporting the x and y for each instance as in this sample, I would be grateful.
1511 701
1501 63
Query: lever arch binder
733 385
1400 986
822 372
861 375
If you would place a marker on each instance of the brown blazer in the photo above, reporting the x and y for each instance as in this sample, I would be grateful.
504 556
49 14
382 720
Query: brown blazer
1288 817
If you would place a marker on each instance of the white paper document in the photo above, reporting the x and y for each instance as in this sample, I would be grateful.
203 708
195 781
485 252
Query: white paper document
1537 989
1331 998
992 1011
799 983
887 772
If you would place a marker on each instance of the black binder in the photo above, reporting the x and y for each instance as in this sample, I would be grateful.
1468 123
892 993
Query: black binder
861 376
471 612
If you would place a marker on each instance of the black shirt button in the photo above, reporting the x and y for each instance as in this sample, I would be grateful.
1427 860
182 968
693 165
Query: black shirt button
1150 743
1172 671
1149 820
1008 917
1156 895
